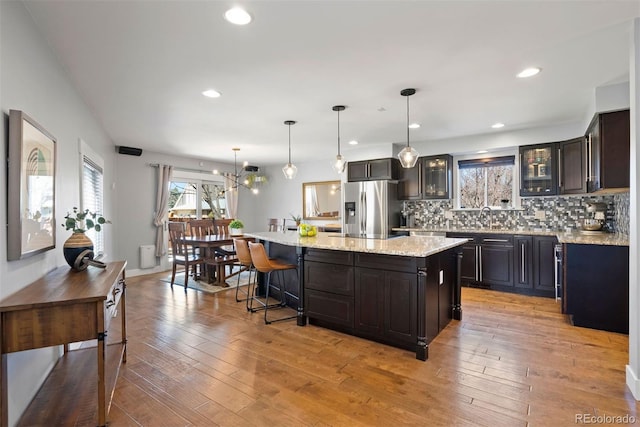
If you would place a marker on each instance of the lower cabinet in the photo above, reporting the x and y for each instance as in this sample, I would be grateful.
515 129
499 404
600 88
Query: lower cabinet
386 303
397 300
596 286
512 263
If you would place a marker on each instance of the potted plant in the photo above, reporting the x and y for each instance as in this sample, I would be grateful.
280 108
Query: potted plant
296 218
235 227
80 221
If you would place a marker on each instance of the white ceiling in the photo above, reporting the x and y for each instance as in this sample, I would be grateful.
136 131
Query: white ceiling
141 67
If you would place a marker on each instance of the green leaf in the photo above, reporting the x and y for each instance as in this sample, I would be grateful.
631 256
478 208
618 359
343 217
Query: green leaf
98 228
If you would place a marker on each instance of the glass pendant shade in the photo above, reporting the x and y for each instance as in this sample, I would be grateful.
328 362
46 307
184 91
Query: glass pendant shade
339 164
408 157
289 170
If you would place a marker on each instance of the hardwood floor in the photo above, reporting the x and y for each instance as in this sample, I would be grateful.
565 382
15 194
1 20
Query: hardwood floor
201 359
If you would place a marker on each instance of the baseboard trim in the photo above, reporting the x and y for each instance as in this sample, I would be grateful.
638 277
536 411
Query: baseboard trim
140 272
633 382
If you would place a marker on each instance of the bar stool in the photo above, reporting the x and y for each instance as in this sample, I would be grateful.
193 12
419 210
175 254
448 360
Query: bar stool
263 264
244 260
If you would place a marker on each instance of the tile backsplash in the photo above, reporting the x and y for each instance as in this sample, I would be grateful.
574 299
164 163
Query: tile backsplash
560 213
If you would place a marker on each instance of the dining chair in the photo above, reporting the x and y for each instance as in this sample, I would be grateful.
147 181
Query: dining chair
201 227
244 260
181 253
276 224
221 226
263 264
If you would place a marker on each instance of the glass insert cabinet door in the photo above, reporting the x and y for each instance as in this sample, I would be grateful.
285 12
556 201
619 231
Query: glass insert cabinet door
437 171
538 174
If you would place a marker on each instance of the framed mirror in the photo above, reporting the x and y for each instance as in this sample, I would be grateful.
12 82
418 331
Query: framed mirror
321 200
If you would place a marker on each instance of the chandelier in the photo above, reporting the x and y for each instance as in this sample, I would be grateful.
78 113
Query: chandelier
247 177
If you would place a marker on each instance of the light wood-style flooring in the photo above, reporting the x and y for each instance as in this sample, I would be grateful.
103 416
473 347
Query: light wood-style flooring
197 359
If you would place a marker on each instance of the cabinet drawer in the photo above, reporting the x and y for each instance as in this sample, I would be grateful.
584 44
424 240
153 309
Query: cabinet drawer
387 262
337 309
331 257
328 277
497 239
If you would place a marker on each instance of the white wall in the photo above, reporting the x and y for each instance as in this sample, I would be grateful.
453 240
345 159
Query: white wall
32 80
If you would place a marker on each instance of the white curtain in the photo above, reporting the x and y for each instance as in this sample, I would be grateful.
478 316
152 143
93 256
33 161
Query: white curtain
231 195
162 207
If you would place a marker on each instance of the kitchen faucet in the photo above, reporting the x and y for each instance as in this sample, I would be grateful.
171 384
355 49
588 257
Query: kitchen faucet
486 208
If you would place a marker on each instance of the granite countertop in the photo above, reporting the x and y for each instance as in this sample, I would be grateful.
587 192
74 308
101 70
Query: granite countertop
413 246
571 237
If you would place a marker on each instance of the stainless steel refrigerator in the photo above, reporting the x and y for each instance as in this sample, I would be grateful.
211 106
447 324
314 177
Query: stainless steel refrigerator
370 209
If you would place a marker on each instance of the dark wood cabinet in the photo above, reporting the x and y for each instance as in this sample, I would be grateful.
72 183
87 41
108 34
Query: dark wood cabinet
539 169
596 286
572 172
543 267
553 168
430 178
534 268
608 145
523 259
487 260
369 170
329 286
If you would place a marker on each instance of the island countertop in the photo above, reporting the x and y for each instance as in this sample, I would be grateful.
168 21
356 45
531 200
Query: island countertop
412 246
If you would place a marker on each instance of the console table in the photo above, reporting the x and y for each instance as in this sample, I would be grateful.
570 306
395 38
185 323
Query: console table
63 307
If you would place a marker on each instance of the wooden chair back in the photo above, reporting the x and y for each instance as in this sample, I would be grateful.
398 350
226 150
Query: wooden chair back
276 224
176 236
221 226
201 227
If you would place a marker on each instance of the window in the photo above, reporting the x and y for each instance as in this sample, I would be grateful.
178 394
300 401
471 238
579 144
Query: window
92 195
484 182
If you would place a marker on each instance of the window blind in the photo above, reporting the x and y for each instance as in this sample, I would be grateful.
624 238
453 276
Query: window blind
92 197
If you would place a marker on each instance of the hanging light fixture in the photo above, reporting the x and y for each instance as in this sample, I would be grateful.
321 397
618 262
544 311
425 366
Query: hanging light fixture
289 170
408 156
250 181
340 162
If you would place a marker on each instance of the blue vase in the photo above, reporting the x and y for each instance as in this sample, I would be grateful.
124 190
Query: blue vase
74 246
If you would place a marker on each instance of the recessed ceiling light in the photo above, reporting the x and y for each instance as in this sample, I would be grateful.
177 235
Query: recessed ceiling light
237 16
528 72
414 125
497 125
210 93
482 151
353 142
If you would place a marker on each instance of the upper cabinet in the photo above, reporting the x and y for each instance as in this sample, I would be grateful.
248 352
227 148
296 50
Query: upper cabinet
539 170
608 142
553 168
430 178
572 172
369 170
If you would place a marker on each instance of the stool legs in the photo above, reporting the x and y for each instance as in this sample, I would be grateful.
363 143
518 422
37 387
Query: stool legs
249 268
283 299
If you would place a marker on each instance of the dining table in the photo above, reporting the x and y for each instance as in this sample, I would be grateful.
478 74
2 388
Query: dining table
208 245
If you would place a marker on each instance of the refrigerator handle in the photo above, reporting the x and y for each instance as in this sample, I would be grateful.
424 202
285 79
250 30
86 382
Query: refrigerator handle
360 216
364 212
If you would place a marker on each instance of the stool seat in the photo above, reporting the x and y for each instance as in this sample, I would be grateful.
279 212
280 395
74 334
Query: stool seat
262 263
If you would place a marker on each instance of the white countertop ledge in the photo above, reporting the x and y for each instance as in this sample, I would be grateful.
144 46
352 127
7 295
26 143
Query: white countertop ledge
410 246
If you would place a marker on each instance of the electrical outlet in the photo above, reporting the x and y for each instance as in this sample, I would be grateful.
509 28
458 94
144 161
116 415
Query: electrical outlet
448 215
540 215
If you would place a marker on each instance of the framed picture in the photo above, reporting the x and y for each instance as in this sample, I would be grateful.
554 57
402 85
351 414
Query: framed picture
31 186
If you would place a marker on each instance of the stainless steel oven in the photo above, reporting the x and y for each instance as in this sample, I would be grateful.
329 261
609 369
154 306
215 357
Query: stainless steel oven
557 251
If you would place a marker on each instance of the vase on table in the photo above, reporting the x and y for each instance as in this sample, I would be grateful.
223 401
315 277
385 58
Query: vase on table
74 246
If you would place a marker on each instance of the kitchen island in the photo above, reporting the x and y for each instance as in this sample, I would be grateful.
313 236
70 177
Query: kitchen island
401 291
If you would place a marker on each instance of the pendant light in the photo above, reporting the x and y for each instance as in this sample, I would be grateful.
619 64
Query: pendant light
289 170
340 162
408 156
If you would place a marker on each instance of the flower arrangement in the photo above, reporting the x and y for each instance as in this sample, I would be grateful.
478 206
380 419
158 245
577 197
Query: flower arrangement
236 223
81 221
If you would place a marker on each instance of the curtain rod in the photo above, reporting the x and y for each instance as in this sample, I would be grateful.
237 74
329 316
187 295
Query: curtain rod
208 172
